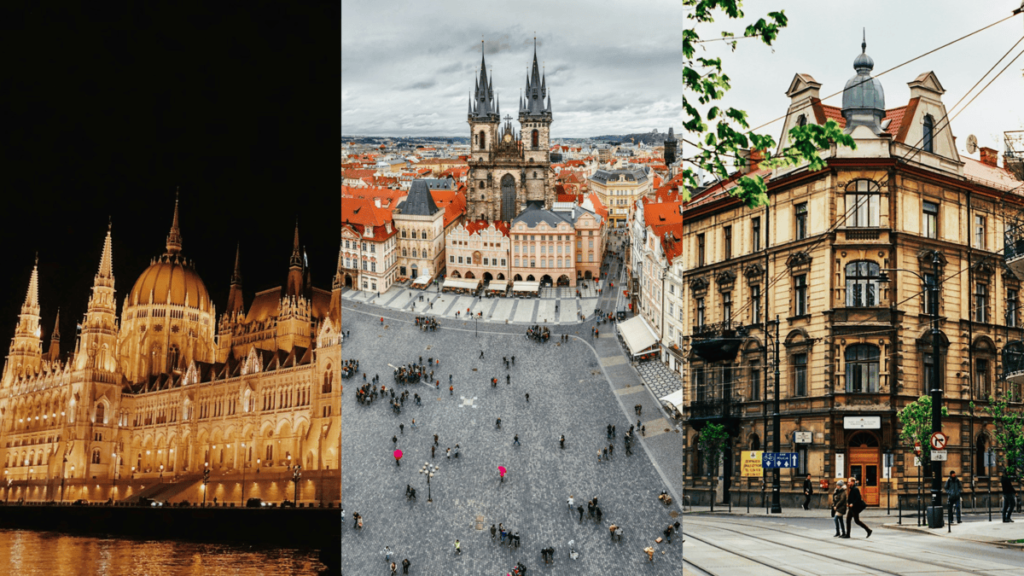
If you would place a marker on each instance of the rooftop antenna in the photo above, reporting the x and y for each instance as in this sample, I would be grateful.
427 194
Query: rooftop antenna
864 41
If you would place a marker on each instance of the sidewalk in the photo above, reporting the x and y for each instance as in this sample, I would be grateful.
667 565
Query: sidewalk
723 510
982 531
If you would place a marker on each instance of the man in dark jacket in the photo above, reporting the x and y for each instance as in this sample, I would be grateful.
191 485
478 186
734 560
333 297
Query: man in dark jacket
953 489
1009 498
808 490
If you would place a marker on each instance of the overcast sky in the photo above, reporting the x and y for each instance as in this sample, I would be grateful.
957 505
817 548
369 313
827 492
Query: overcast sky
823 42
407 67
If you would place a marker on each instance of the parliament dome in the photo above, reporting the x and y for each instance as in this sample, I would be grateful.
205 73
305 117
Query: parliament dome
171 280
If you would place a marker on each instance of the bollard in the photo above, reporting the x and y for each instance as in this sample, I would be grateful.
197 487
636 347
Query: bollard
989 499
748 502
899 504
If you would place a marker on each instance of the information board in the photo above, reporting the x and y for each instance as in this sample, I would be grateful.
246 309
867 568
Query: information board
750 464
780 459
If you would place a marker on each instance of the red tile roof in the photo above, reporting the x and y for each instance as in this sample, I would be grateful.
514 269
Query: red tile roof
454 204
672 241
662 214
357 174
477 225
598 206
823 112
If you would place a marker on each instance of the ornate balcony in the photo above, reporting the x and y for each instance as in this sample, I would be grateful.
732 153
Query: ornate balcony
725 411
717 342
1014 249
1013 362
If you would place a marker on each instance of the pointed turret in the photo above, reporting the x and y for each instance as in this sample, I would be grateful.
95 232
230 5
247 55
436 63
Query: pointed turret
174 238
334 310
53 353
236 305
294 285
26 349
96 331
307 276
536 92
106 270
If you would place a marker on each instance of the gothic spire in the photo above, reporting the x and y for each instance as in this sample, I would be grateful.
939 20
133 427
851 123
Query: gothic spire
55 337
174 238
296 259
236 276
31 305
106 260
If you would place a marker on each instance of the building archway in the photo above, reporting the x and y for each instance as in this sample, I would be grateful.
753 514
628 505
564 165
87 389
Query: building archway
415 272
563 280
546 280
470 276
864 463
501 276
588 275
530 278
348 280
455 274
488 277
517 278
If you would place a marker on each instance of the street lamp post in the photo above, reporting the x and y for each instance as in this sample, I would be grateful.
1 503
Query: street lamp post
776 424
429 470
296 476
63 474
206 480
161 474
934 513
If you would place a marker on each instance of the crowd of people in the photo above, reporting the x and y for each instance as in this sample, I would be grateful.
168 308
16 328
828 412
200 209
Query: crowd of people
538 333
349 368
427 323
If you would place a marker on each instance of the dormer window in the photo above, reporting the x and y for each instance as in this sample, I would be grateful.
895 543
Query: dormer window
929 126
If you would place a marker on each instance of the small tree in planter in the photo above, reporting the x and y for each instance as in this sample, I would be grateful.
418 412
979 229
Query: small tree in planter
711 442
1009 433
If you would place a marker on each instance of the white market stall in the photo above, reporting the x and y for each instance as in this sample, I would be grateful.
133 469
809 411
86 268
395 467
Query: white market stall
639 337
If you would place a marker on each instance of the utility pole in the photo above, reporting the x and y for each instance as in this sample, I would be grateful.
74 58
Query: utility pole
776 424
935 510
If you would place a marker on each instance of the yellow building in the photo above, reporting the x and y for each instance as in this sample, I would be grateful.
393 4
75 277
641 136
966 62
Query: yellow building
844 255
170 390
619 190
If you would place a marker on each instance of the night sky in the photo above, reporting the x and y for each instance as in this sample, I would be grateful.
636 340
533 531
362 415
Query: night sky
106 113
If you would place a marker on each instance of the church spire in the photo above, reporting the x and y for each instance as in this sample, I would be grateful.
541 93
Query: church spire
53 353
296 259
31 305
106 270
295 268
236 276
174 238
236 304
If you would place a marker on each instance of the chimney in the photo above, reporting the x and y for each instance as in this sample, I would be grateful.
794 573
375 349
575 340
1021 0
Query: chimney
756 157
376 202
989 157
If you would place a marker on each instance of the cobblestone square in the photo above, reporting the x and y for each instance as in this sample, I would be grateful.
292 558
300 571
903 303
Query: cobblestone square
569 394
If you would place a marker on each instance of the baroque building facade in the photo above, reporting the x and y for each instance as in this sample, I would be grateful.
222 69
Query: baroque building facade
832 277
507 169
170 389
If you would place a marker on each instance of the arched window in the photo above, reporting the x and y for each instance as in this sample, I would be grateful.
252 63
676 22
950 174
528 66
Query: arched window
801 120
96 456
929 126
172 358
480 140
328 380
534 138
101 414
270 453
481 187
862 366
862 200
862 284
755 442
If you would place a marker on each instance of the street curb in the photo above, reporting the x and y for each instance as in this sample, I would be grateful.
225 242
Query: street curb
923 530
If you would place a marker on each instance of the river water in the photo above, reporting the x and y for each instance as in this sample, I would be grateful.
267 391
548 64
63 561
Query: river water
28 553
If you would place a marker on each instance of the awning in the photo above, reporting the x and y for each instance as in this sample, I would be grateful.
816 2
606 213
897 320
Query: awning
526 286
675 399
461 283
639 336
498 285
425 279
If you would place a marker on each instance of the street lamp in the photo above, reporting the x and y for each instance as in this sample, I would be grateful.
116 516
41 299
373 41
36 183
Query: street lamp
206 480
63 474
429 470
161 473
935 519
296 476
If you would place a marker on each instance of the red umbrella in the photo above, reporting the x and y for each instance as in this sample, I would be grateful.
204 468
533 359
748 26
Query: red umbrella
398 454
501 470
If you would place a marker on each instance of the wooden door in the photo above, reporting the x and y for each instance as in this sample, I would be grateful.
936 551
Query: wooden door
864 465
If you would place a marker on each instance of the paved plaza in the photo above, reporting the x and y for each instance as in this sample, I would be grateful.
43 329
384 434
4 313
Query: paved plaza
569 394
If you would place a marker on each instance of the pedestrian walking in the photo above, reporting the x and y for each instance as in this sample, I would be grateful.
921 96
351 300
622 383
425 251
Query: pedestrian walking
579 508
1009 498
597 514
611 450
451 390
513 360
481 354
570 502
561 442
382 321
527 396
611 531
604 453
501 527
515 440
432 448
954 489
839 508
405 566
808 490
590 509
668 534
448 453
643 431
414 420
516 538
493 531
394 440
508 380
637 409
387 553
855 505
449 378
401 429
394 569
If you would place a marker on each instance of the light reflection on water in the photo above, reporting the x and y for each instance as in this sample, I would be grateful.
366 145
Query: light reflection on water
28 553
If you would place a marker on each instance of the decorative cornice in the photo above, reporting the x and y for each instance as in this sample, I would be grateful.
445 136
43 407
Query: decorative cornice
801 258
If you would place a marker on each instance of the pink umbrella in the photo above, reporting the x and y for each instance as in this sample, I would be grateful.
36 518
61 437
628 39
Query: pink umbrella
398 454
501 470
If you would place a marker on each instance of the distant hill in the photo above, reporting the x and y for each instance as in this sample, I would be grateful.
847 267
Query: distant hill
648 138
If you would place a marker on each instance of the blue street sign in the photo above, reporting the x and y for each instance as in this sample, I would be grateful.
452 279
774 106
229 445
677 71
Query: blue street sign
779 460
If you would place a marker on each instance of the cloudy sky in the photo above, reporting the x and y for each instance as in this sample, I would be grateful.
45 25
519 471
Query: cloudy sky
824 42
407 67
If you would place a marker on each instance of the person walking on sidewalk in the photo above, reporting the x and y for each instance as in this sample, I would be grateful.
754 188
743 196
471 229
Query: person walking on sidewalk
953 489
839 508
808 490
855 505
570 502
405 566
1009 498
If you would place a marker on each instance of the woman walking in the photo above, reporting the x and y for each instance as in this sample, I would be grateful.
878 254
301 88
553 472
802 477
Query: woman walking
856 505
839 508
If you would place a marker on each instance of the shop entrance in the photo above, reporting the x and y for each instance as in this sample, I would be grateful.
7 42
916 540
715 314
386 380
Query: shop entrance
865 463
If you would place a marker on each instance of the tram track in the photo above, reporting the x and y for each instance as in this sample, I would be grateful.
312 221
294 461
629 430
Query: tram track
732 552
875 569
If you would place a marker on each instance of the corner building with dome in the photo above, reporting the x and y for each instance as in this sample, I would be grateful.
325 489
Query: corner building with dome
148 402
